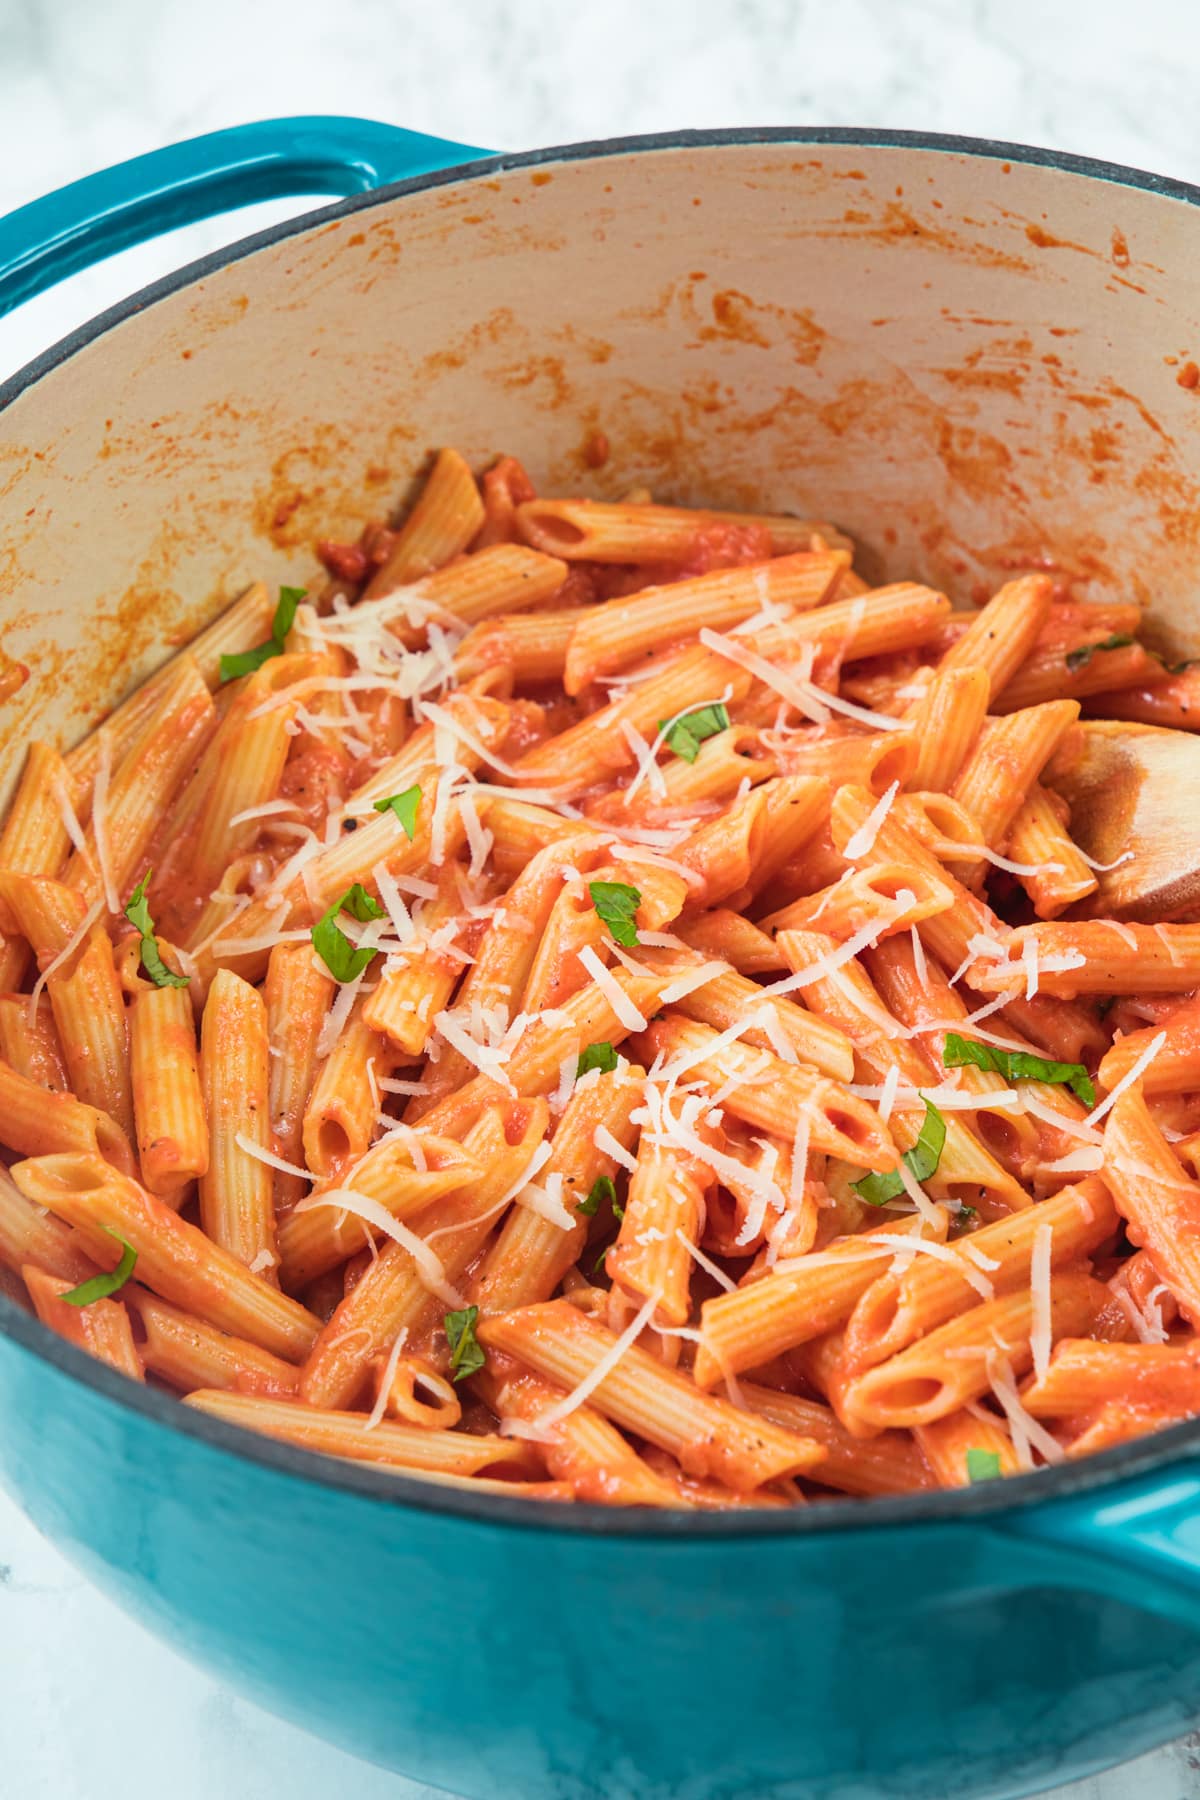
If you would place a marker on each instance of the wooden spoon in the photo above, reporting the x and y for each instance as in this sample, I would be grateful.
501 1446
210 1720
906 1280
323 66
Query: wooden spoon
1134 788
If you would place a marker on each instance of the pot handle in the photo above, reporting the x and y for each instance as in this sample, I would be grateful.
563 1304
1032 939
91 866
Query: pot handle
63 232
1139 1540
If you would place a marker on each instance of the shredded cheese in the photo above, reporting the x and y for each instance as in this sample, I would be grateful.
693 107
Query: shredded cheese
260 1154
68 950
625 1012
1132 1074
608 1145
862 841
429 1266
945 1253
70 818
1028 1433
706 1263
554 1415
386 1379
831 960
1029 956
690 979
547 1201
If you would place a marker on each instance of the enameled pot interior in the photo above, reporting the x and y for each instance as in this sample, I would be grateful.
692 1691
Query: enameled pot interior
974 358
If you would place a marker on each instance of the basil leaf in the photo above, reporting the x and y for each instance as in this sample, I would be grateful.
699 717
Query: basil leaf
99 1287
285 611
689 731
616 903
359 904
1018 1065
982 1465
138 914
603 1188
466 1353
405 808
344 960
597 1056
1083 654
244 662
922 1161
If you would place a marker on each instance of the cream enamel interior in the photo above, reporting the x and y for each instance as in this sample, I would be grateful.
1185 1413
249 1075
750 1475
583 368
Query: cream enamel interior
972 365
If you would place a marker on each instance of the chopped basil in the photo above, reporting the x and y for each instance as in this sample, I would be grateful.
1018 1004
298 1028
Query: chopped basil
344 960
1018 1065
597 1056
138 914
686 734
101 1286
982 1465
922 1161
244 662
603 1188
405 808
1083 653
466 1353
616 903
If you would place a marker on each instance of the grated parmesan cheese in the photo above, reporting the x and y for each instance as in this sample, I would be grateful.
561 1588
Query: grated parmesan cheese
1132 1074
710 1268
269 1157
553 1415
429 1265
608 1145
1028 1433
1029 956
862 841
387 1378
68 950
625 1011
910 1243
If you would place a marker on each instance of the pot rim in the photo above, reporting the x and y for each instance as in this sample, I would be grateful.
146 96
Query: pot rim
992 1499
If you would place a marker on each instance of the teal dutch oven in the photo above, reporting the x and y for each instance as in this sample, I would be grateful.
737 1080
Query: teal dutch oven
975 357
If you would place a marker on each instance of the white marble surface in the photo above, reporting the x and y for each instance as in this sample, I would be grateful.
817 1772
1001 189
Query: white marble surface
82 85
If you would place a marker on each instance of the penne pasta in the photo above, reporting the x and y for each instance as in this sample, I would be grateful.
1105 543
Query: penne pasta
949 1367
297 991
236 1207
187 1353
945 725
612 636
951 1445
102 1329
352 1436
447 515
174 1258
168 1100
706 1435
622 532
405 1286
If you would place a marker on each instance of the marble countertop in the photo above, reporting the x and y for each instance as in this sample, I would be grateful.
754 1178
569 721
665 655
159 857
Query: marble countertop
82 86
